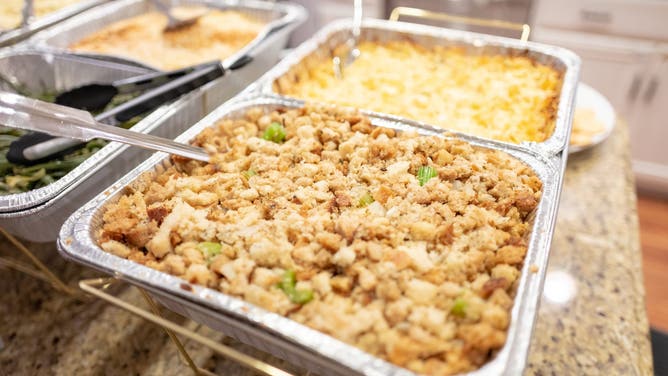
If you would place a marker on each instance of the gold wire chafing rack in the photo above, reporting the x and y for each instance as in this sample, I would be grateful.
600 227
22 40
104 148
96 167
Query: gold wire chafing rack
398 12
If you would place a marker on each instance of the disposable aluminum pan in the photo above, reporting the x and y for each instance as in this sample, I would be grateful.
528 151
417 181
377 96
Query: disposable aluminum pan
10 36
34 72
336 33
281 336
37 215
280 17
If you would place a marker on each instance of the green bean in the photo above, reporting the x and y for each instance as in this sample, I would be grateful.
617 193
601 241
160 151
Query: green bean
24 181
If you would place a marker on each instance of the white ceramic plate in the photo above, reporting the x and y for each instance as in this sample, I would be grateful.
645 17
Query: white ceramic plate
589 98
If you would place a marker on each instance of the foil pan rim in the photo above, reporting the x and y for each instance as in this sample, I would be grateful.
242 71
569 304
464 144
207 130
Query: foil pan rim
22 204
554 145
76 241
9 36
26 200
290 14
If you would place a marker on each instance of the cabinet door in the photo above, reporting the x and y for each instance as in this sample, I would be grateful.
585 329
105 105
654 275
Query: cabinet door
644 19
649 131
614 66
619 77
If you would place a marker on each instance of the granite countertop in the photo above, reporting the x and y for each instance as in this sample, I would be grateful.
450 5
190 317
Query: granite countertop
592 318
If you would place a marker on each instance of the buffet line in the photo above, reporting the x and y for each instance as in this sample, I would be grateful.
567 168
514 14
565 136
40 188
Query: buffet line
380 201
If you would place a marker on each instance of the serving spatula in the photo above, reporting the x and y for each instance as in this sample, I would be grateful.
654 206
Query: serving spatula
25 113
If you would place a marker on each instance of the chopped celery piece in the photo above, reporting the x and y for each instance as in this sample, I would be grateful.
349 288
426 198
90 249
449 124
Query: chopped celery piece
365 200
274 133
209 249
459 308
287 284
250 172
425 173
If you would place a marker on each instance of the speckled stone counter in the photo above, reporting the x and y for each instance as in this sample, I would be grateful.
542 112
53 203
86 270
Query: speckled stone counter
592 317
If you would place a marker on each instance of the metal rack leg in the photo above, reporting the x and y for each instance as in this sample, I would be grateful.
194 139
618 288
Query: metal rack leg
44 271
96 286
179 346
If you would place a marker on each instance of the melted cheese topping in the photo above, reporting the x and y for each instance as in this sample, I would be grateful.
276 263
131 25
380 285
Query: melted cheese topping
10 10
216 35
506 98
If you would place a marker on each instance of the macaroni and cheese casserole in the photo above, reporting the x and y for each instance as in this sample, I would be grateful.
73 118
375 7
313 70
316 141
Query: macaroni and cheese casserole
508 98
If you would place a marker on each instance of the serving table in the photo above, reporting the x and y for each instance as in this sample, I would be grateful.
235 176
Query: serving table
592 317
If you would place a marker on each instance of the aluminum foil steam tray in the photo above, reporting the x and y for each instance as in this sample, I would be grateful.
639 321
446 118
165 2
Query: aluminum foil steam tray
37 215
10 36
337 33
281 18
283 337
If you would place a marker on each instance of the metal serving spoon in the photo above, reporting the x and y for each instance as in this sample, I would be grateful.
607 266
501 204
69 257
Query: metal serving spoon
353 51
174 23
27 12
25 113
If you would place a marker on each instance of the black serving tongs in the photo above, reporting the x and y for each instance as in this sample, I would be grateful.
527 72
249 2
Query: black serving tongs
38 152
35 148
95 96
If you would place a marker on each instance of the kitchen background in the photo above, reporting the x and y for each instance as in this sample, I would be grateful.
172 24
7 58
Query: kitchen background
623 45
624 49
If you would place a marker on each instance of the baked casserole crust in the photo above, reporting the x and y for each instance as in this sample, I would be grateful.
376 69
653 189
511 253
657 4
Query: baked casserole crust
420 275
11 10
217 34
507 98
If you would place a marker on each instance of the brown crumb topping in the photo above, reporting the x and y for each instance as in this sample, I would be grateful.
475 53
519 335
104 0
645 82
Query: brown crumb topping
420 275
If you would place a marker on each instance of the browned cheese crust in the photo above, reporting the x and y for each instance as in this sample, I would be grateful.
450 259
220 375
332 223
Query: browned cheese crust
424 276
217 34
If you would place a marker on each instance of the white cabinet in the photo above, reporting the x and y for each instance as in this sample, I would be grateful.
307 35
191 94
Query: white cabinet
617 67
624 51
627 18
649 129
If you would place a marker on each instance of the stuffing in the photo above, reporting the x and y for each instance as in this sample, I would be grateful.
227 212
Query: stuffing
348 243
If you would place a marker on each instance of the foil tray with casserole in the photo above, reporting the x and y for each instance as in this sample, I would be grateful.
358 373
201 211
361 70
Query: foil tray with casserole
361 244
46 208
135 30
491 87
45 14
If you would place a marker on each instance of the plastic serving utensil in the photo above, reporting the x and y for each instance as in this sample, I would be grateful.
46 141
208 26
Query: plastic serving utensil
21 112
145 102
95 96
35 148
